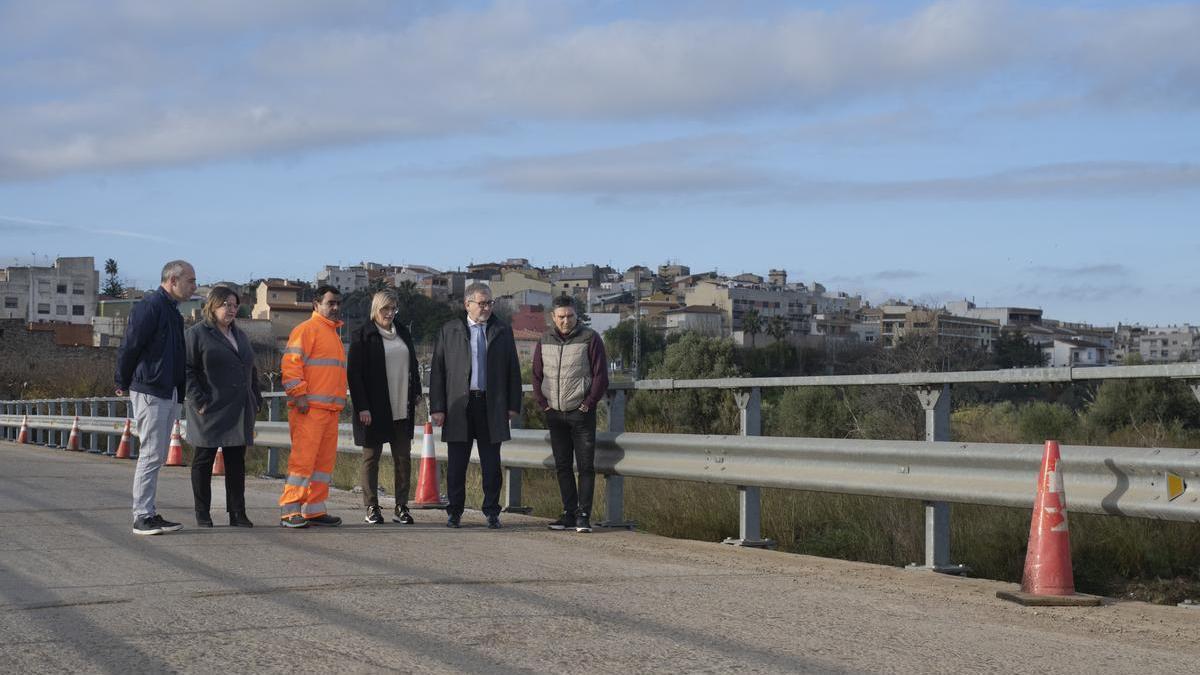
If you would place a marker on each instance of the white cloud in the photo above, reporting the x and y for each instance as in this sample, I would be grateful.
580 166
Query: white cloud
134 83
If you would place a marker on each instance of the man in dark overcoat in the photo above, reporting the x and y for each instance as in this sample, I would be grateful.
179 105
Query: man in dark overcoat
474 391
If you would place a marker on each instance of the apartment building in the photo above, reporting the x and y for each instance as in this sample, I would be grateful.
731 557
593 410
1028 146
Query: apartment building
700 319
345 279
64 292
1061 353
895 321
734 299
1157 344
1007 317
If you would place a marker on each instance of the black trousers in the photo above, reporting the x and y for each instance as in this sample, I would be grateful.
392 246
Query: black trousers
235 477
459 456
401 443
573 439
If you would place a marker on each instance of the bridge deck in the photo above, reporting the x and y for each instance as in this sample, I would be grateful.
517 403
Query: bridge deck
79 592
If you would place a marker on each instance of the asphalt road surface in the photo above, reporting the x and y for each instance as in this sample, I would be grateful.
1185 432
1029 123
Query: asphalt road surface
80 593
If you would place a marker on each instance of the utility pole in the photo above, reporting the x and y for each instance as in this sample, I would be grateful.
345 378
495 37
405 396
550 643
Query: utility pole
637 324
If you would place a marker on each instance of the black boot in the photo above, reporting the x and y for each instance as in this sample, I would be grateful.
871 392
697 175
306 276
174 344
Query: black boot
203 519
239 519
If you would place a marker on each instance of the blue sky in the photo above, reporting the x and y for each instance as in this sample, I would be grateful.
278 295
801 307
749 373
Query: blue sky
1017 153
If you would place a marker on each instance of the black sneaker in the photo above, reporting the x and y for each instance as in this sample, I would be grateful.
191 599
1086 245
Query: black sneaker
166 525
582 524
454 521
565 520
145 525
402 516
295 520
493 522
326 520
374 516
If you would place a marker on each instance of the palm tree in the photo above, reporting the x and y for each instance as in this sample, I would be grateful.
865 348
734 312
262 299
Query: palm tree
778 328
751 324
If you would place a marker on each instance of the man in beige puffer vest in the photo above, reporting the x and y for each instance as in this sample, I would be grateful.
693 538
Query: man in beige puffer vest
570 376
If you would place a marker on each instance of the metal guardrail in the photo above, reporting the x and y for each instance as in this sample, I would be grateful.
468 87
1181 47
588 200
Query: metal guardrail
1107 480
1135 482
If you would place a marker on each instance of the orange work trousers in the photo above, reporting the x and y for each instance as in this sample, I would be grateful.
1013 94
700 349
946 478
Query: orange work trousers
310 464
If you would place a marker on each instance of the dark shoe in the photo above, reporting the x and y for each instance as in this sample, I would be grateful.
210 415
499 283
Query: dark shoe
239 519
402 516
164 524
203 519
373 517
454 521
493 522
582 524
144 525
295 521
565 521
326 520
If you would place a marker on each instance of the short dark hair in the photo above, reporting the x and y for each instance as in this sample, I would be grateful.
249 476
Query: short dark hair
322 290
565 301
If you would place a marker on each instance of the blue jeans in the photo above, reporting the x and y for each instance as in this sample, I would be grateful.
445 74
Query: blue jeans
154 417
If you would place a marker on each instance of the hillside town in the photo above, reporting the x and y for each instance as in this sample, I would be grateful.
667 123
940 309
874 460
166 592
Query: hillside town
69 301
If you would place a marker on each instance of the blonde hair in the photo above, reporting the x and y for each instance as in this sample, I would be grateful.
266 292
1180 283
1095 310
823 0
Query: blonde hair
217 297
381 298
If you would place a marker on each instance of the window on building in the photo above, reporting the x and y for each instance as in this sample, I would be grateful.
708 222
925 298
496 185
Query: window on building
60 310
43 286
76 310
62 288
76 288
43 308
10 302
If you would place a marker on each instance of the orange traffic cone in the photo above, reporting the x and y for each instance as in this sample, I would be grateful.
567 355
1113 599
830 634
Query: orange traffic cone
23 434
123 447
175 452
219 463
73 439
1048 579
427 496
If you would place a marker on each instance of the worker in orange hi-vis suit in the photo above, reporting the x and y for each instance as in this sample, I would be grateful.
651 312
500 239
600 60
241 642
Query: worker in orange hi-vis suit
314 377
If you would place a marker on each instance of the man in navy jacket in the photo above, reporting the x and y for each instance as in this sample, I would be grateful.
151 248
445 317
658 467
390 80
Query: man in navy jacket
150 367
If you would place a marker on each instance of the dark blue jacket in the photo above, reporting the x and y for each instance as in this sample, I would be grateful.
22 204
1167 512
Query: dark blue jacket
152 355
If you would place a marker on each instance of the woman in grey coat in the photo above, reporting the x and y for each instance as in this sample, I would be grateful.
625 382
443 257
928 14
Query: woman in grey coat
222 400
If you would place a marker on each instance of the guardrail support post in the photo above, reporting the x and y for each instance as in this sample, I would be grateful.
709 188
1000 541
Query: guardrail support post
614 486
1194 385
274 408
749 405
936 402
110 445
512 484
92 436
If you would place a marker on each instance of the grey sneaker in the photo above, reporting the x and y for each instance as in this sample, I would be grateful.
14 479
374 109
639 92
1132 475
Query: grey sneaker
145 525
582 524
164 524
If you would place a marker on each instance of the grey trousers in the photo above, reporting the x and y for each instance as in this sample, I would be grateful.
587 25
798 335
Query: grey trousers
154 417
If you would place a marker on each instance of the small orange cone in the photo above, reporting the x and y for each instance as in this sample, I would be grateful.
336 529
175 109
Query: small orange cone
1048 578
73 439
123 447
427 496
23 434
175 452
219 463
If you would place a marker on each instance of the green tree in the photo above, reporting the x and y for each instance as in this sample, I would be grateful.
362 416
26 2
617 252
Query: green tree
810 412
1014 350
778 328
113 286
618 343
695 411
752 324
